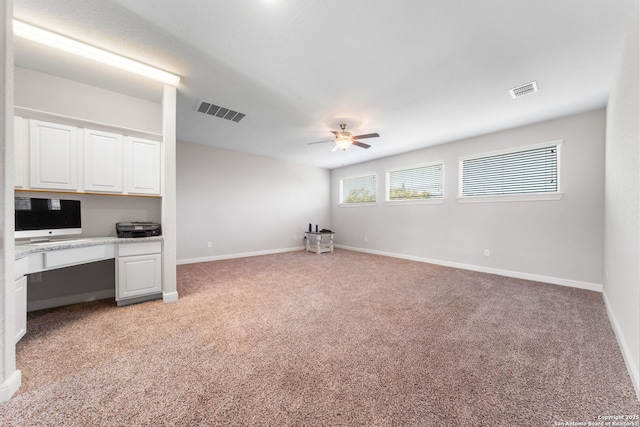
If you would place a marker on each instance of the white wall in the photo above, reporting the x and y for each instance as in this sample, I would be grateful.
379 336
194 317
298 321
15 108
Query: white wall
622 204
44 92
557 241
244 204
10 377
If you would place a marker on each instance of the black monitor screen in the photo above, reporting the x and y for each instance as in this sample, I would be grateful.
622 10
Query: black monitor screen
46 214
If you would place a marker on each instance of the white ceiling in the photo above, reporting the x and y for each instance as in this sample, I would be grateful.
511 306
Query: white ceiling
419 72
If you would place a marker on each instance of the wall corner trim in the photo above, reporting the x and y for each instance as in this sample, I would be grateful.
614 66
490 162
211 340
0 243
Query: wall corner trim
10 386
170 297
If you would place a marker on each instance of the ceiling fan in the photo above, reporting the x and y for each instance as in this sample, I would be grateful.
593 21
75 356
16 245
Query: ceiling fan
344 139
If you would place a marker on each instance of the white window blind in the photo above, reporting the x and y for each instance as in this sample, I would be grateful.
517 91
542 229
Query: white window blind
417 183
520 172
361 189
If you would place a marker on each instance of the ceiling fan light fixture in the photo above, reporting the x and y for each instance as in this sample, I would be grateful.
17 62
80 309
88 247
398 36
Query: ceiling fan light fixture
343 143
343 140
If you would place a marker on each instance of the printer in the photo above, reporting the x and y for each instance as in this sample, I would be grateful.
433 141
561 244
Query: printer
138 229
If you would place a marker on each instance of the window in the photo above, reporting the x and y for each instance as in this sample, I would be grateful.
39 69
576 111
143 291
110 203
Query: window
415 183
531 170
360 189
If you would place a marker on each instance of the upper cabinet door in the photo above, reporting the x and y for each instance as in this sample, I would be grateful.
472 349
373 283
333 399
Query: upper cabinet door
19 145
53 157
142 166
102 161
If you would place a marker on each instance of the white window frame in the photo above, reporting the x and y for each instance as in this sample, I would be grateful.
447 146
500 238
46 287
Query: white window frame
359 204
557 195
429 201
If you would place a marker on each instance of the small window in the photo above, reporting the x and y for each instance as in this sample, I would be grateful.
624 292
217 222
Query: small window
415 183
360 189
527 171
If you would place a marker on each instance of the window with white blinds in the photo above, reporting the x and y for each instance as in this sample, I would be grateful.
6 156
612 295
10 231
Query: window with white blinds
360 189
532 170
415 183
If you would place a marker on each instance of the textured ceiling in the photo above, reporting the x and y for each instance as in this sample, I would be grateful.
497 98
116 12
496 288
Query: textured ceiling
419 72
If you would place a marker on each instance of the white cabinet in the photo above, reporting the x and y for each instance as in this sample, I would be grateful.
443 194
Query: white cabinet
103 158
142 166
53 156
20 298
19 160
21 307
139 270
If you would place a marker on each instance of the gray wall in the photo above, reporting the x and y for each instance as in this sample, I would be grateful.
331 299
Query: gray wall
559 241
244 204
622 204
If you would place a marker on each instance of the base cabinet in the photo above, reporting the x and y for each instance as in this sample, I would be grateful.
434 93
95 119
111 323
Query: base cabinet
20 298
21 308
139 271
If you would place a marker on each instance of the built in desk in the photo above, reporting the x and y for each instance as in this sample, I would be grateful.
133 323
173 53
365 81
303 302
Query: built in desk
138 266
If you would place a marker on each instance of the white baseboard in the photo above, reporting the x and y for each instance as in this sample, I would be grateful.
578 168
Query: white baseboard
9 387
70 299
516 274
632 366
238 255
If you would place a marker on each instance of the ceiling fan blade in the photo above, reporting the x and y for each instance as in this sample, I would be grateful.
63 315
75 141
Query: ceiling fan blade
320 142
361 144
334 132
334 149
368 135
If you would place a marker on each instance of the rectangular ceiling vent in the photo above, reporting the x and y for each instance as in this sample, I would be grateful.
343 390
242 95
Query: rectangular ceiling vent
221 112
523 90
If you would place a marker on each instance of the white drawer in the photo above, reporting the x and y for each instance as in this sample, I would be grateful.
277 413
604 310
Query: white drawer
142 248
74 256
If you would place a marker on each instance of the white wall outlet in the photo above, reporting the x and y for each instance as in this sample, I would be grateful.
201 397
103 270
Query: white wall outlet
209 244
366 239
487 252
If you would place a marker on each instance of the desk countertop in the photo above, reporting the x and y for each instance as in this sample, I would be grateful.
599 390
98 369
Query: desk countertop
24 249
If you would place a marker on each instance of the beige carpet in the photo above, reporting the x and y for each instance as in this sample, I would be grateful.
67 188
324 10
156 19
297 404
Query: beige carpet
342 339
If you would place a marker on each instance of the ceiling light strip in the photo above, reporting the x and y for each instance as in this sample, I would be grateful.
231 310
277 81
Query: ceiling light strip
78 48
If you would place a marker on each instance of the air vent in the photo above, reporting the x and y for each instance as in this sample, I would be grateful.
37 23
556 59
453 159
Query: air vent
221 112
523 90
